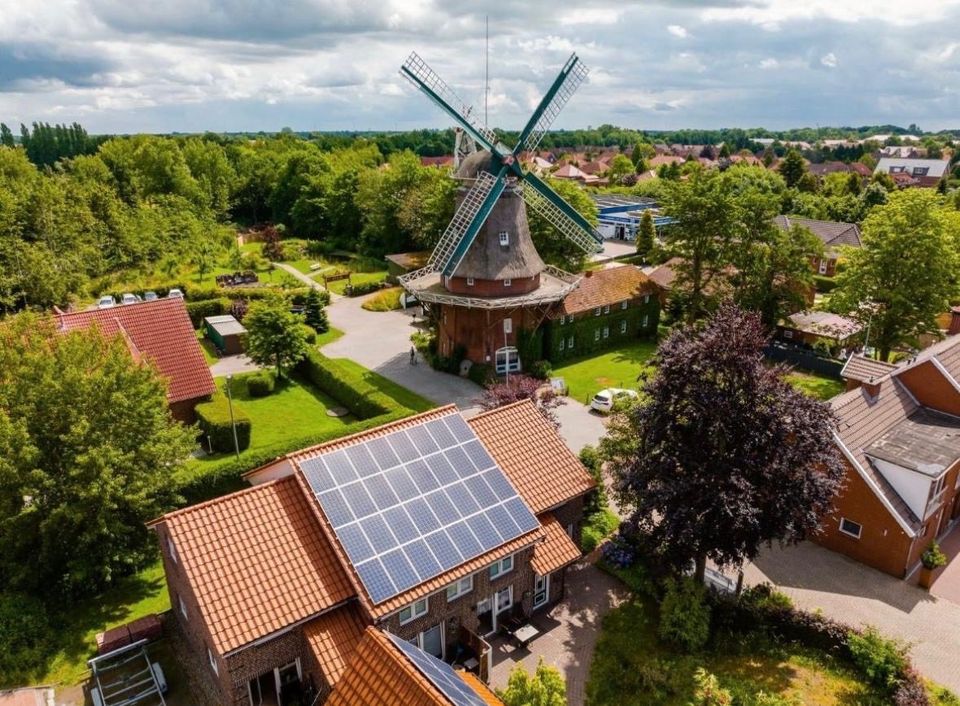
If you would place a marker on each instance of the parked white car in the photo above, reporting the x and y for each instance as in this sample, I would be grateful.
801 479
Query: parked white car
149 296
174 294
604 400
106 302
129 298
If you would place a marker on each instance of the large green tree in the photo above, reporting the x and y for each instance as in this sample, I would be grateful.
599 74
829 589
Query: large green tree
545 687
792 168
88 449
904 275
274 334
646 234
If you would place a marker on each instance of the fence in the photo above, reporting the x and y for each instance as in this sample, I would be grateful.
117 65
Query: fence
804 359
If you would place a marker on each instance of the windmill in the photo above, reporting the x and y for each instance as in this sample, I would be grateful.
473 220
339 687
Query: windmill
484 271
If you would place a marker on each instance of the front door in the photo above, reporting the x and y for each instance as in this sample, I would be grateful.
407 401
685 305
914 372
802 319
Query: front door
507 360
432 640
287 681
488 621
541 590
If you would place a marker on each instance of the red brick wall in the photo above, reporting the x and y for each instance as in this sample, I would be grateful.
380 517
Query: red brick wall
480 331
184 411
931 389
492 287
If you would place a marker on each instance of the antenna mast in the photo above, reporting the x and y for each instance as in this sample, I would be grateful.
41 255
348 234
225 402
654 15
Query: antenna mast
486 73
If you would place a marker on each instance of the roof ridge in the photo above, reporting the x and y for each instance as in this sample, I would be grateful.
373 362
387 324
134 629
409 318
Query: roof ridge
488 412
215 501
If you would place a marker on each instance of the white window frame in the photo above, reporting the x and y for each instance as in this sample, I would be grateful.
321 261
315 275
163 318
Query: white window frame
646 298
623 326
569 343
414 611
213 662
849 533
606 332
545 591
596 334
646 320
787 333
504 237
596 312
563 319
501 567
508 282
606 309
183 607
623 305
562 342
469 281
504 608
460 588
823 266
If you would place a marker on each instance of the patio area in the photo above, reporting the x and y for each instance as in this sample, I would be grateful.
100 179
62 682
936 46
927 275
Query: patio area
567 632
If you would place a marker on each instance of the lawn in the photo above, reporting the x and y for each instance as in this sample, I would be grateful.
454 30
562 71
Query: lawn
823 388
632 666
357 278
409 399
209 351
328 336
614 368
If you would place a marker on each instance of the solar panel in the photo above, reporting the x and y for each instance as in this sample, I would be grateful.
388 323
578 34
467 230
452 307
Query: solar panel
409 505
440 674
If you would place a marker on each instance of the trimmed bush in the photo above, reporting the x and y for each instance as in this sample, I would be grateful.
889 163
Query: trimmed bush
261 384
882 661
349 389
763 597
23 634
214 420
481 373
199 310
358 290
310 334
824 284
684 614
541 369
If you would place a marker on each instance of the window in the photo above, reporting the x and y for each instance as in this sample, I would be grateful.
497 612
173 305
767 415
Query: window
213 662
823 267
645 321
563 320
504 599
787 333
623 327
623 305
171 550
606 332
646 298
920 171
508 325
413 611
570 343
606 309
507 360
459 588
507 282
469 281
596 335
504 237
499 568
183 606
849 527
596 312
561 346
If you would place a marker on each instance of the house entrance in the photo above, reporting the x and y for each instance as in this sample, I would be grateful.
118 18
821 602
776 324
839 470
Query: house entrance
541 590
488 623
278 687
507 360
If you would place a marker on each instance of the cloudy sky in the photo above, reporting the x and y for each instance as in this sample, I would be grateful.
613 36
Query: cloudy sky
227 65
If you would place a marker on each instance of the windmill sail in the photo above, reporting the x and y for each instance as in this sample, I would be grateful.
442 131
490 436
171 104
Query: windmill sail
571 76
545 201
466 222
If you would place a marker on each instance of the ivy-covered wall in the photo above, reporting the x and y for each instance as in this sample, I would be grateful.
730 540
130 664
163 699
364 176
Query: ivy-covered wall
590 332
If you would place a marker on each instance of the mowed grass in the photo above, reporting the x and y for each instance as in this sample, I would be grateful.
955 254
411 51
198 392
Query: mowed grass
818 386
209 351
408 398
328 336
632 667
619 367
356 278
384 300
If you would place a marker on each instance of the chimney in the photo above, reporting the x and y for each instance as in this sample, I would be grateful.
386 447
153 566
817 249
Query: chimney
872 386
954 321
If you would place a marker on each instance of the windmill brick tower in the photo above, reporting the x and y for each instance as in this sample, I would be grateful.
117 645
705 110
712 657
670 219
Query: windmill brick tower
485 282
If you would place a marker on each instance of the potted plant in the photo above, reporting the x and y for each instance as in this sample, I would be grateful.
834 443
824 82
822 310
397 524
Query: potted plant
931 559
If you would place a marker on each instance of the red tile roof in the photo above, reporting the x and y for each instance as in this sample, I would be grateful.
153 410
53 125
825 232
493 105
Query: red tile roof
532 454
257 561
557 551
605 287
333 638
160 331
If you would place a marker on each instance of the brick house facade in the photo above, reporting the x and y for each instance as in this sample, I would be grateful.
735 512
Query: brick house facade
263 593
899 435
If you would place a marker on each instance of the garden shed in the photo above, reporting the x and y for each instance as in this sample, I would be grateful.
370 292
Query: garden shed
225 332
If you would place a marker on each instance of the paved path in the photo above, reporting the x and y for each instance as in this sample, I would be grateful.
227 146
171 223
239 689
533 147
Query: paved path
306 279
569 631
816 578
579 426
233 365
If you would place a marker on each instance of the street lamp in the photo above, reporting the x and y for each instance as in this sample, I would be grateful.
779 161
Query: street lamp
233 425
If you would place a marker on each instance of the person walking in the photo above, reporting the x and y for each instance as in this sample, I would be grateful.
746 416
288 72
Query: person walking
413 355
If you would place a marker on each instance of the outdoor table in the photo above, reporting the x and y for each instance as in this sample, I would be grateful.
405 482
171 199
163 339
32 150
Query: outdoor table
525 633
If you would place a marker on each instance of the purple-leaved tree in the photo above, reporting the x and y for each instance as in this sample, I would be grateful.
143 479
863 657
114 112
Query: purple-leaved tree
722 456
522 387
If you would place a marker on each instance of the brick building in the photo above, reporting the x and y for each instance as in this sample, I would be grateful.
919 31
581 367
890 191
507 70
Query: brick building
274 588
833 235
159 331
899 433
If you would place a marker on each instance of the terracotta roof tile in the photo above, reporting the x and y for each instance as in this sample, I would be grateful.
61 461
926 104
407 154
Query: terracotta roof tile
829 232
863 369
664 275
611 286
159 330
482 690
379 674
257 561
532 454
557 551
333 638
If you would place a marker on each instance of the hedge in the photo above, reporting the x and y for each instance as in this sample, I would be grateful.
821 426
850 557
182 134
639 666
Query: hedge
214 421
200 310
346 387
261 384
358 290
824 284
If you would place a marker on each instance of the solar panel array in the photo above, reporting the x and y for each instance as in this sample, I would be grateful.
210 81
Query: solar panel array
412 504
440 674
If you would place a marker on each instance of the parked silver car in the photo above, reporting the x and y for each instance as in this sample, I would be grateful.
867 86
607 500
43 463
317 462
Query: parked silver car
106 302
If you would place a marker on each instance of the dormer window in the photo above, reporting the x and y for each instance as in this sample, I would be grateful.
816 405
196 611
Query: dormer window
507 282
504 238
469 281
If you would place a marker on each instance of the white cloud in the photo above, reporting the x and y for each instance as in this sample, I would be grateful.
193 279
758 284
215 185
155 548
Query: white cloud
590 16
769 63
773 13
829 60
678 31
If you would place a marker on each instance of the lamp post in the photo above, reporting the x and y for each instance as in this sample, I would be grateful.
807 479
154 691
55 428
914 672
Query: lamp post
233 425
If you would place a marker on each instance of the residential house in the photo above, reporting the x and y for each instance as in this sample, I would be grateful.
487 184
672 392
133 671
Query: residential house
158 331
899 434
832 234
435 529
810 328
922 172
609 307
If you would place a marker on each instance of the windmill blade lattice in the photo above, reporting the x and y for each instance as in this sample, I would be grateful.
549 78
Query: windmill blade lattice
419 73
574 73
467 217
542 199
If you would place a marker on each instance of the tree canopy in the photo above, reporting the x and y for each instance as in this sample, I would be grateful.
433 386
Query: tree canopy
275 335
722 456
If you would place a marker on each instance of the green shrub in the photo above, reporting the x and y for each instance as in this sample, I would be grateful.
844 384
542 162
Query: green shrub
199 310
881 660
823 284
708 691
541 369
597 499
23 634
358 290
199 292
597 527
768 699
349 389
765 597
310 333
385 300
481 373
214 420
261 384
684 614
933 557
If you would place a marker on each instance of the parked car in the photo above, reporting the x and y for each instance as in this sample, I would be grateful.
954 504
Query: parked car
174 294
106 302
129 298
149 296
604 400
